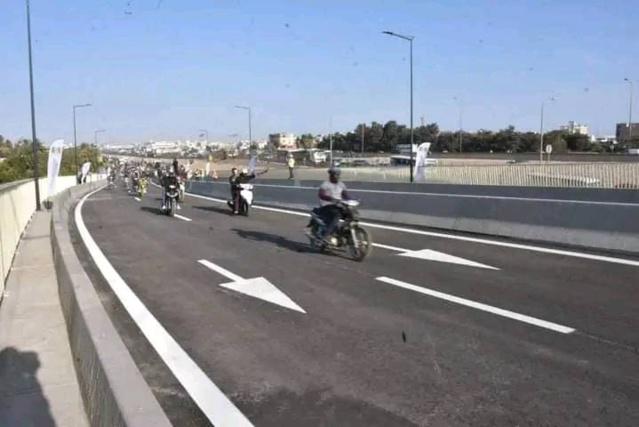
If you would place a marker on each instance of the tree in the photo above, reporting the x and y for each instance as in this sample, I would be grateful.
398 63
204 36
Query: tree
306 140
577 142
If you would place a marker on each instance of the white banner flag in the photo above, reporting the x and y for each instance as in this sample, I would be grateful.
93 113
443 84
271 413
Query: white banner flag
420 161
53 165
85 170
251 164
207 168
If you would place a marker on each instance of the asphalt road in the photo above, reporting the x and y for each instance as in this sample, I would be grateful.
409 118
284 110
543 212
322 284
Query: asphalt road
365 351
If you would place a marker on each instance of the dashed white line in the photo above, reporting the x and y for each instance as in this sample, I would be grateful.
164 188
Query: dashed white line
137 199
479 306
183 218
210 399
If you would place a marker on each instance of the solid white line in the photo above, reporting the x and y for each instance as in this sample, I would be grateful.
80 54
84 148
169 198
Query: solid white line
223 271
210 399
467 196
531 248
183 218
479 306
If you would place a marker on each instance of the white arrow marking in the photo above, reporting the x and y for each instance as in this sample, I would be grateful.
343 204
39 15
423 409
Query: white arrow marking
479 306
431 255
264 290
258 287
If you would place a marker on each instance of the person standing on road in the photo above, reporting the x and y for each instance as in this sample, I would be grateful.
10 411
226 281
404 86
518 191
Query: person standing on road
291 166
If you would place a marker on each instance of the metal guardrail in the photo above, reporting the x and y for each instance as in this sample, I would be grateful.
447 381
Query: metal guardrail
596 175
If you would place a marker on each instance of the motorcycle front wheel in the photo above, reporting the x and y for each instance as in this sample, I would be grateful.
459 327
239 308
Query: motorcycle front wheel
362 246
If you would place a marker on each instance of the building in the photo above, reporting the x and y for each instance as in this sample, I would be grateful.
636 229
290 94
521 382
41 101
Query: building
575 128
622 132
282 140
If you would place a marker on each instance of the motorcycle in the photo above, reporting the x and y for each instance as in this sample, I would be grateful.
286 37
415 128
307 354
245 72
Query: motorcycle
111 182
245 200
347 233
172 196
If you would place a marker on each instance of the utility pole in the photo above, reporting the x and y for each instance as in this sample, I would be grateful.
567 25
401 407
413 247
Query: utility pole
363 128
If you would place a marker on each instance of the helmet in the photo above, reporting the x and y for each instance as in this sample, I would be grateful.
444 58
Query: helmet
334 171
244 171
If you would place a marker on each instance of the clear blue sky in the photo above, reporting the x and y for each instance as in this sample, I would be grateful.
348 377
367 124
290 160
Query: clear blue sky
166 68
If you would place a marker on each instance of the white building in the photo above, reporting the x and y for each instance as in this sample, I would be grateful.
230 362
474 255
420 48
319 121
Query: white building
575 128
283 141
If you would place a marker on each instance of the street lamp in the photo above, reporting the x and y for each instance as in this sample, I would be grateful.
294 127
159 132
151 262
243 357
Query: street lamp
249 118
75 136
33 120
541 131
95 135
632 89
410 40
461 132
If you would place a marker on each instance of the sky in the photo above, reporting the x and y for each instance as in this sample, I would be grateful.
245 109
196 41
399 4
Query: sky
165 69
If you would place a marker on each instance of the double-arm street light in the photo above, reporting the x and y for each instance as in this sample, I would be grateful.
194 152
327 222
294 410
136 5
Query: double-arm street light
410 40
75 136
632 89
249 122
541 130
95 135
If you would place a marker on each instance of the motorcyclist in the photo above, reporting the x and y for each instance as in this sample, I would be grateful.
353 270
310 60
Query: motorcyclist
236 179
331 193
135 180
167 180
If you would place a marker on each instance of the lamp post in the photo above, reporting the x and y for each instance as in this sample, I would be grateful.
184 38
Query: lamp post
33 120
541 131
206 132
249 122
95 135
461 123
75 136
632 89
410 40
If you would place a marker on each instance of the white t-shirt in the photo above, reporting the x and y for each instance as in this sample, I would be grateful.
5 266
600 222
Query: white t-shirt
332 190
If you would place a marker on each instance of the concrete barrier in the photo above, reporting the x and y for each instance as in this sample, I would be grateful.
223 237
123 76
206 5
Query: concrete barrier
17 205
113 389
588 218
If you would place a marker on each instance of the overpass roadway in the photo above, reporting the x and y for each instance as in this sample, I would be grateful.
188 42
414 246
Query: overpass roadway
233 321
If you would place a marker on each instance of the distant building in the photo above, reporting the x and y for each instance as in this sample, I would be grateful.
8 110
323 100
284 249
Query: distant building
575 128
622 132
283 140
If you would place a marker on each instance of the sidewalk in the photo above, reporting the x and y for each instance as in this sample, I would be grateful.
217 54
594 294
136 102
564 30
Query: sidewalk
38 384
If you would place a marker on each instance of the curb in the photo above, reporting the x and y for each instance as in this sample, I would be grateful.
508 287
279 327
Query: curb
113 389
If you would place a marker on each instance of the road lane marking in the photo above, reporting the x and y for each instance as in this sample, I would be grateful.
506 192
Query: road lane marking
258 287
431 255
223 271
210 399
390 248
531 248
479 306
137 199
183 218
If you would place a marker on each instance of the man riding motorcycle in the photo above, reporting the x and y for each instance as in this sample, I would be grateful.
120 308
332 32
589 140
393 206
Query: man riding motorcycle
235 180
331 192
166 181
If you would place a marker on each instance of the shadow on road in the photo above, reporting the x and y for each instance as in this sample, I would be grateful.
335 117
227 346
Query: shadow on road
150 209
224 210
280 241
22 402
